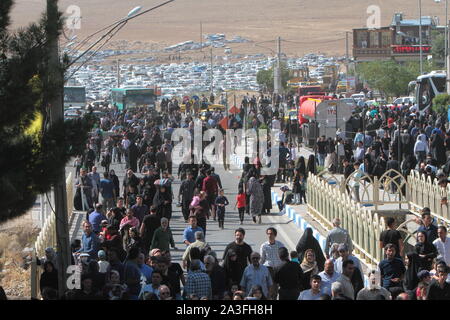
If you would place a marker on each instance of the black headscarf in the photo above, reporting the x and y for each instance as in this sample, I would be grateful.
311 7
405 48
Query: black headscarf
411 280
233 270
312 164
160 197
427 249
307 241
301 166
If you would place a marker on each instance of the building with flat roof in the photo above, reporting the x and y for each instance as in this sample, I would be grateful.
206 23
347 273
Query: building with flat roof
399 40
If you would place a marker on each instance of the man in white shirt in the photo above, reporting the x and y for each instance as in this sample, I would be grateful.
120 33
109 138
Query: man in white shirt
270 257
276 124
442 244
329 276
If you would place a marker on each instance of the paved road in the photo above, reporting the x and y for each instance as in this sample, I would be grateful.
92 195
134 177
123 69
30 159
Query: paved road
218 239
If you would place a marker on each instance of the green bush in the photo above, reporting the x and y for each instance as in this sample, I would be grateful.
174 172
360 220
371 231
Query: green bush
441 103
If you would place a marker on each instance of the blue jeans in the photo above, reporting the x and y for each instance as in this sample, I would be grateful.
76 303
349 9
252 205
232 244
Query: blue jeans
321 158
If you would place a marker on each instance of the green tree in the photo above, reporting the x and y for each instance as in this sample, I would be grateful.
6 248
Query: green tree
265 77
441 103
438 48
31 152
391 78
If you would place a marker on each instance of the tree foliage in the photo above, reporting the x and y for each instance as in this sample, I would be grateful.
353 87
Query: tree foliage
265 77
31 152
391 78
438 48
441 103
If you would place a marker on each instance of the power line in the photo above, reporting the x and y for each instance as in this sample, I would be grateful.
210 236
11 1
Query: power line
97 50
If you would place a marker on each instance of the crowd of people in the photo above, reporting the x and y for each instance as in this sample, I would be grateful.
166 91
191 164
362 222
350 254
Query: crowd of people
125 251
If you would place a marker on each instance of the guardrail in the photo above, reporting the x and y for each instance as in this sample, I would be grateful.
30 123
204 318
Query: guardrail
326 203
424 192
47 238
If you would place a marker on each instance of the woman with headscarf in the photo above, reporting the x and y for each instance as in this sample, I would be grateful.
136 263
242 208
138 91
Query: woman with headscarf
113 241
301 165
233 270
49 278
437 147
266 184
312 166
162 201
421 147
380 166
411 280
115 181
114 217
133 239
426 251
408 164
309 267
307 241
255 191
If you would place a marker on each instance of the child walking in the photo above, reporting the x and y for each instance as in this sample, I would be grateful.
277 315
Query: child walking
241 203
221 202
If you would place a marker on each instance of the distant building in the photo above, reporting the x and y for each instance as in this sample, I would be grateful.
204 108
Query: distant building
399 41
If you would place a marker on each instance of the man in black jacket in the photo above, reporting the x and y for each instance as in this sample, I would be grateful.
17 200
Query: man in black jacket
186 194
289 276
439 289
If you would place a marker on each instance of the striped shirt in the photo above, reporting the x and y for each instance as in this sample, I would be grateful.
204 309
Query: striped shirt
269 254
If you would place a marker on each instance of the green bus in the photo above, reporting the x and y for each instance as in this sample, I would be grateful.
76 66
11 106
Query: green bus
125 98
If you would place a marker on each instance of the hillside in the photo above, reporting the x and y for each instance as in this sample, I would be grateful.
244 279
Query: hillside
315 26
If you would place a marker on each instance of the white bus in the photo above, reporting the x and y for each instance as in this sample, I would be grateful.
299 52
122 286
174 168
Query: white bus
429 86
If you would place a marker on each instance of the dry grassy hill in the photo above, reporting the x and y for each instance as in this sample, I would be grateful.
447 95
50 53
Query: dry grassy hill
314 25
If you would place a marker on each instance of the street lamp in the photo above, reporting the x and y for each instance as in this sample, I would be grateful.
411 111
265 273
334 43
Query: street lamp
115 27
134 11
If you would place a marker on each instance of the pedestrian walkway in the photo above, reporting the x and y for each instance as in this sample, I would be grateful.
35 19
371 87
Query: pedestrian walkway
217 238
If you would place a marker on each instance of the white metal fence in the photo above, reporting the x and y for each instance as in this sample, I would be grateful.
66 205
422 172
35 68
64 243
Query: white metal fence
326 203
424 192
47 235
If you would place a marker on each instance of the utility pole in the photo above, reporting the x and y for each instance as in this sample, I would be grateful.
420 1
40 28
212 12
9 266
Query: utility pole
201 37
118 73
420 36
56 114
346 61
212 73
277 73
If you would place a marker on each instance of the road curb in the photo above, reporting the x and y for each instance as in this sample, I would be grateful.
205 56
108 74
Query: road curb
296 217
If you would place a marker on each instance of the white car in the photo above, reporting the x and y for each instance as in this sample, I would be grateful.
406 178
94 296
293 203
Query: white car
358 96
405 100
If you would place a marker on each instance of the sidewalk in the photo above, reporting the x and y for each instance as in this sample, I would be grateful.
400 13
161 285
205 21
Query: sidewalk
299 215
